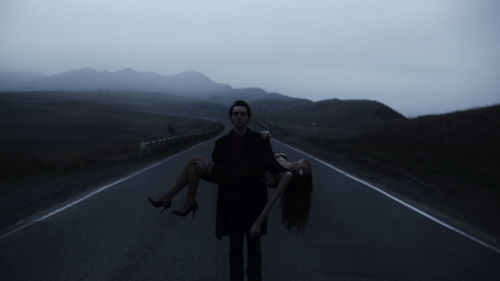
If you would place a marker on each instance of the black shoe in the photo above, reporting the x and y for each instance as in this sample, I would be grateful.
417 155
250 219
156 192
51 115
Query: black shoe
158 204
183 214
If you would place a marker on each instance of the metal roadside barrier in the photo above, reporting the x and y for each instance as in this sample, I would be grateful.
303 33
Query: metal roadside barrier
147 146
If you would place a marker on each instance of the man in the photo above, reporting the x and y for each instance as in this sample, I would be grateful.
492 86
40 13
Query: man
238 206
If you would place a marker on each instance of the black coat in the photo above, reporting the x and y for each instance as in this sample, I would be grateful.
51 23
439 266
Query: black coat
238 206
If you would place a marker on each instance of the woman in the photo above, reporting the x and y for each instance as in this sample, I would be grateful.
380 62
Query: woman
292 180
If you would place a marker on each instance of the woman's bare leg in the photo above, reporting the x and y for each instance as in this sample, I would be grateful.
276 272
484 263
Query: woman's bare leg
193 179
200 167
187 177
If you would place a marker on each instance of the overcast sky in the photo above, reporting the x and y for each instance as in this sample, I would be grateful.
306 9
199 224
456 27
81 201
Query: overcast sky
419 56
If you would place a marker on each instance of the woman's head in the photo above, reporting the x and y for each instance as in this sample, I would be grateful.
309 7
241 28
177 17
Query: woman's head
296 200
302 167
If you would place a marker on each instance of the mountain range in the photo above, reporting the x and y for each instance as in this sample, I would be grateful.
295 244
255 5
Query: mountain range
188 83
155 92
85 79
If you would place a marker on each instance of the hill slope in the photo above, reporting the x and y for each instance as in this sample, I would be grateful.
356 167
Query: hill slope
344 114
331 118
447 164
462 145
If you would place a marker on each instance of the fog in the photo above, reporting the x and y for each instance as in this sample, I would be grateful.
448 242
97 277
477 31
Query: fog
419 57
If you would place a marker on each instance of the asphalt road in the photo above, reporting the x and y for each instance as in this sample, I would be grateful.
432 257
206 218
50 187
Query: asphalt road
354 233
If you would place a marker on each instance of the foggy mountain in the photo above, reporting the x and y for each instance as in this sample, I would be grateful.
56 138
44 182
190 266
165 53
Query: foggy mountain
85 79
188 83
195 85
10 81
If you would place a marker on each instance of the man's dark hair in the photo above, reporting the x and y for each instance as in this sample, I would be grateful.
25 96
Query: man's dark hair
240 103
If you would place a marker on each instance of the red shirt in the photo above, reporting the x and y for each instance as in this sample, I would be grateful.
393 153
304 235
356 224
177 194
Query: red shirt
237 146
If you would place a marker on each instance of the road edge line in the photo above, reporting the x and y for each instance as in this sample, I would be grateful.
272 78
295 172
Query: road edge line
415 209
98 190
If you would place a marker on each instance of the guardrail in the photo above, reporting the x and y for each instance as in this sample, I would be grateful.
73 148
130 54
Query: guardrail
146 147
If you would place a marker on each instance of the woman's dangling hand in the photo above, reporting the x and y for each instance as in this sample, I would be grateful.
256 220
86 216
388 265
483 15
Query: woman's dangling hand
255 230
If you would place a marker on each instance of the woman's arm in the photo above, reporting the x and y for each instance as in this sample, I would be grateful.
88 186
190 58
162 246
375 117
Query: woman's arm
285 180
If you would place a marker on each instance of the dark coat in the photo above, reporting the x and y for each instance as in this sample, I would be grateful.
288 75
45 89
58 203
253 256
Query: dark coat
238 206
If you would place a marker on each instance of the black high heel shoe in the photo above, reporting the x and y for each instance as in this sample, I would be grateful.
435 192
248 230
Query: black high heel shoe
183 214
158 204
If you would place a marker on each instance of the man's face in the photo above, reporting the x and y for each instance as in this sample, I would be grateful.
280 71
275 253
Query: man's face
239 117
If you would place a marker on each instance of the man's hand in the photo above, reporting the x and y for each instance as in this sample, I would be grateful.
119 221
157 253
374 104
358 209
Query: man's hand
202 166
265 134
270 179
255 230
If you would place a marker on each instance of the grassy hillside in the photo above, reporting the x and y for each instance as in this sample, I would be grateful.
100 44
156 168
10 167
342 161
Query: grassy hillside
56 135
460 146
137 101
56 145
330 118
448 162
272 105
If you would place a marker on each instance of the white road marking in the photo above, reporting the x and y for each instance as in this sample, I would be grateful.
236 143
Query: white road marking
491 247
102 188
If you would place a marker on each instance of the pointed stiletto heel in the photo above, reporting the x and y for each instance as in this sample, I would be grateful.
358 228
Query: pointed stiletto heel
191 209
164 208
158 204
194 211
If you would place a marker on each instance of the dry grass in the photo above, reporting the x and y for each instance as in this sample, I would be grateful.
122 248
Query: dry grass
60 136
446 162
456 147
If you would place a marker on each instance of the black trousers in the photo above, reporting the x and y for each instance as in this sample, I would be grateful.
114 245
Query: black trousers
254 261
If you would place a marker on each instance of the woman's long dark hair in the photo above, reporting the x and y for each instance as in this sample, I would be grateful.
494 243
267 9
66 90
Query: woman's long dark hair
296 202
